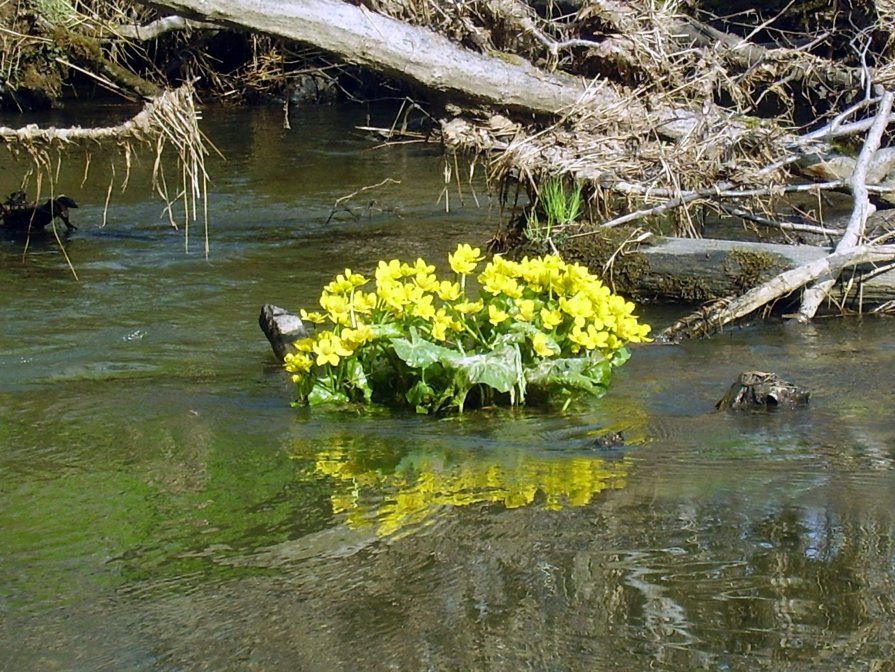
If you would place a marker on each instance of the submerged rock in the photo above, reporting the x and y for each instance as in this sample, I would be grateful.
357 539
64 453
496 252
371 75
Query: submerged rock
609 441
757 389
281 327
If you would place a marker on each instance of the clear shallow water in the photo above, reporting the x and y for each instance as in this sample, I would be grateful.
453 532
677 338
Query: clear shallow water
163 508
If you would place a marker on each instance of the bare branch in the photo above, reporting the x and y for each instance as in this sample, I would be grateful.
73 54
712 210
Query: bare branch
863 208
161 26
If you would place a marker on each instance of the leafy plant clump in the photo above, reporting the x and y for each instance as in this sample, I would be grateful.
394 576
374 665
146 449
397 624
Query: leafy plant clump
538 326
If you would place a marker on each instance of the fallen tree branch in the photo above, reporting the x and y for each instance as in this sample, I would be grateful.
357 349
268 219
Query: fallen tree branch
712 318
863 208
782 226
141 127
676 200
166 24
406 52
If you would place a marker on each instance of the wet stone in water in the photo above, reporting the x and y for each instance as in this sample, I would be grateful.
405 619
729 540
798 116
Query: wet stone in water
757 390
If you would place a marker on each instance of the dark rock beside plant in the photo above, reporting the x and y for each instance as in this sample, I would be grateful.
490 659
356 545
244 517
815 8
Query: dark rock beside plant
281 327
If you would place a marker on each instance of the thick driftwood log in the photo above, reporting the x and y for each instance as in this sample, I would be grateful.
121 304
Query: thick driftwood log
400 50
723 311
699 270
430 61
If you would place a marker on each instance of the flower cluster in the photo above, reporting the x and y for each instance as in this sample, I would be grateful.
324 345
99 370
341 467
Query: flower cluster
424 340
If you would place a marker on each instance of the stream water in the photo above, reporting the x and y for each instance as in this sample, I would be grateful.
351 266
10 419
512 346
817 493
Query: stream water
162 507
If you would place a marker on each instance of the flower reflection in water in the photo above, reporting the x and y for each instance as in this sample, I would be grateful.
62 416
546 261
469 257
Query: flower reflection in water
409 491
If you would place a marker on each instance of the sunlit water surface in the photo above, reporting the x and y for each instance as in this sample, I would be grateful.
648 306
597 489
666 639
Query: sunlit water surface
162 507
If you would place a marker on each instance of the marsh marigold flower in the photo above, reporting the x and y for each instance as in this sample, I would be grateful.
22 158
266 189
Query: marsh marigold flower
465 259
449 291
314 318
551 318
526 308
541 345
469 307
496 315
329 350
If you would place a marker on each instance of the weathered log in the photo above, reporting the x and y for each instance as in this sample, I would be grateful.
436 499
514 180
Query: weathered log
760 390
697 270
410 53
713 317
281 327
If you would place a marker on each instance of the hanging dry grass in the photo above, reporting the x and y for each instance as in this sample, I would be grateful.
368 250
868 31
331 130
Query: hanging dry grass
167 125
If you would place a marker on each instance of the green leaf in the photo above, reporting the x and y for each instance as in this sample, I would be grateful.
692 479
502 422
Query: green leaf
573 373
387 330
321 394
500 369
356 377
620 356
419 353
420 395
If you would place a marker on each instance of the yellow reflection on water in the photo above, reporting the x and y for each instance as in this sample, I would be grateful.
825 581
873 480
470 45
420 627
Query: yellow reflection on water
391 499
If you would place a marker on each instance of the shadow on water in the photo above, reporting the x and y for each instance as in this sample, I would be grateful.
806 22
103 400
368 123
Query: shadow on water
163 508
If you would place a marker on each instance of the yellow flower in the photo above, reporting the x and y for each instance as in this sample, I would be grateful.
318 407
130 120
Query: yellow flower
578 306
469 307
590 338
364 302
354 338
542 345
388 270
531 271
422 268
550 318
314 318
441 322
297 362
345 282
393 295
449 291
465 259
428 282
337 307
505 267
329 349
496 315
495 282
643 333
304 344
631 330
423 307
526 308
